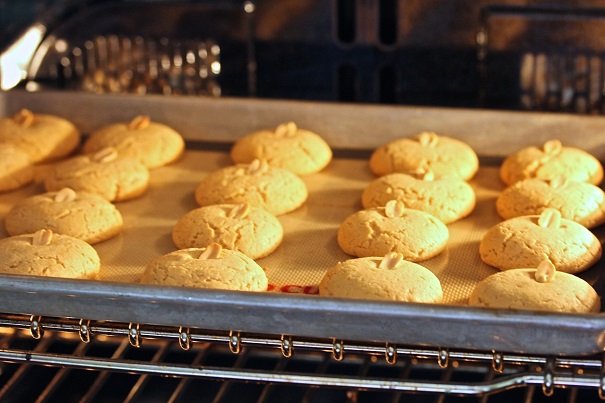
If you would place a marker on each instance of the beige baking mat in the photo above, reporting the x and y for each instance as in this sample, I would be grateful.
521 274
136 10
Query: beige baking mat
309 247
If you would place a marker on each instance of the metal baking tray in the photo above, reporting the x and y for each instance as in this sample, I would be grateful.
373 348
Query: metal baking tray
350 130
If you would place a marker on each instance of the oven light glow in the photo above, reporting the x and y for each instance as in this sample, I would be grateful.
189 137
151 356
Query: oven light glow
249 7
61 46
15 60
215 67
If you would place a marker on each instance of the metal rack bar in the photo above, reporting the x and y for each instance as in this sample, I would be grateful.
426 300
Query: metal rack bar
237 341
120 365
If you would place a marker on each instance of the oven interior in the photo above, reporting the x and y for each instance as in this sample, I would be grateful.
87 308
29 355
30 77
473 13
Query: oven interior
507 55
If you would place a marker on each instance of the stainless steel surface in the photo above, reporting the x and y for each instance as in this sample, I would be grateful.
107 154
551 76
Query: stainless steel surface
355 127
413 371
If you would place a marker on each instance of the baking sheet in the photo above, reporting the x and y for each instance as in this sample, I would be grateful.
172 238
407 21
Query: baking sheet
333 195
309 247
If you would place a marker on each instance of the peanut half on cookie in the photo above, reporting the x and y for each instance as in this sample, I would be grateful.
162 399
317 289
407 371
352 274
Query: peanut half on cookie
288 146
542 288
526 241
210 267
387 278
377 231
45 253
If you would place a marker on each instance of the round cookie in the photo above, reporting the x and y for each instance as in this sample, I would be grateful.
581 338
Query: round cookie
152 144
276 190
251 230
578 201
523 242
448 199
289 147
443 155
211 267
534 290
551 161
85 216
16 170
393 228
388 278
112 176
42 137
46 254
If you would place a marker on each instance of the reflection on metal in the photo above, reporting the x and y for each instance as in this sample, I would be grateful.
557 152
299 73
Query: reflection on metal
14 62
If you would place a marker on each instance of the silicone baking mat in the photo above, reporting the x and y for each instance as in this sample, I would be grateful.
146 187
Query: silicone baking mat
309 246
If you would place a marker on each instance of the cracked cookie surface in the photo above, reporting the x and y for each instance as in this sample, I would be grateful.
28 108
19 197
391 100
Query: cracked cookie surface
231 270
518 289
86 216
297 150
42 137
151 143
276 190
550 161
16 170
578 201
374 232
366 278
115 178
443 155
256 233
522 242
448 199
64 256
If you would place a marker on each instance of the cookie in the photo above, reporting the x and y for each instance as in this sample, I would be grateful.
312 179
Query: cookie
578 201
543 289
86 216
276 190
42 137
152 144
47 254
251 230
289 147
112 176
210 267
393 228
448 199
16 170
550 161
388 278
526 241
443 155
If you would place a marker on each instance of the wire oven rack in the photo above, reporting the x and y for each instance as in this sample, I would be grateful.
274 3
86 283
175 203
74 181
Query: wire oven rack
359 348
275 364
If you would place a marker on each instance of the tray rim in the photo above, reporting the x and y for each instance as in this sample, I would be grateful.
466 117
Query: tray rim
271 313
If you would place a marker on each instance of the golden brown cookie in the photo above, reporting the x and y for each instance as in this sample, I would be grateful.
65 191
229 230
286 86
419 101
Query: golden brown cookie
251 230
550 161
86 216
211 267
276 190
16 170
526 241
578 201
46 254
289 147
43 137
443 155
543 289
152 144
387 278
112 176
448 199
393 228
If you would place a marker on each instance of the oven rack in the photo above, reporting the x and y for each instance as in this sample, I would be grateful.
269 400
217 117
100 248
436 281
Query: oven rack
502 371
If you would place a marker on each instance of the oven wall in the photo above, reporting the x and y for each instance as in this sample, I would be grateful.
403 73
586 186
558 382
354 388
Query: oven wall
421 52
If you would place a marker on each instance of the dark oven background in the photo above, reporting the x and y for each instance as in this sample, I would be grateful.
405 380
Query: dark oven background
537 55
